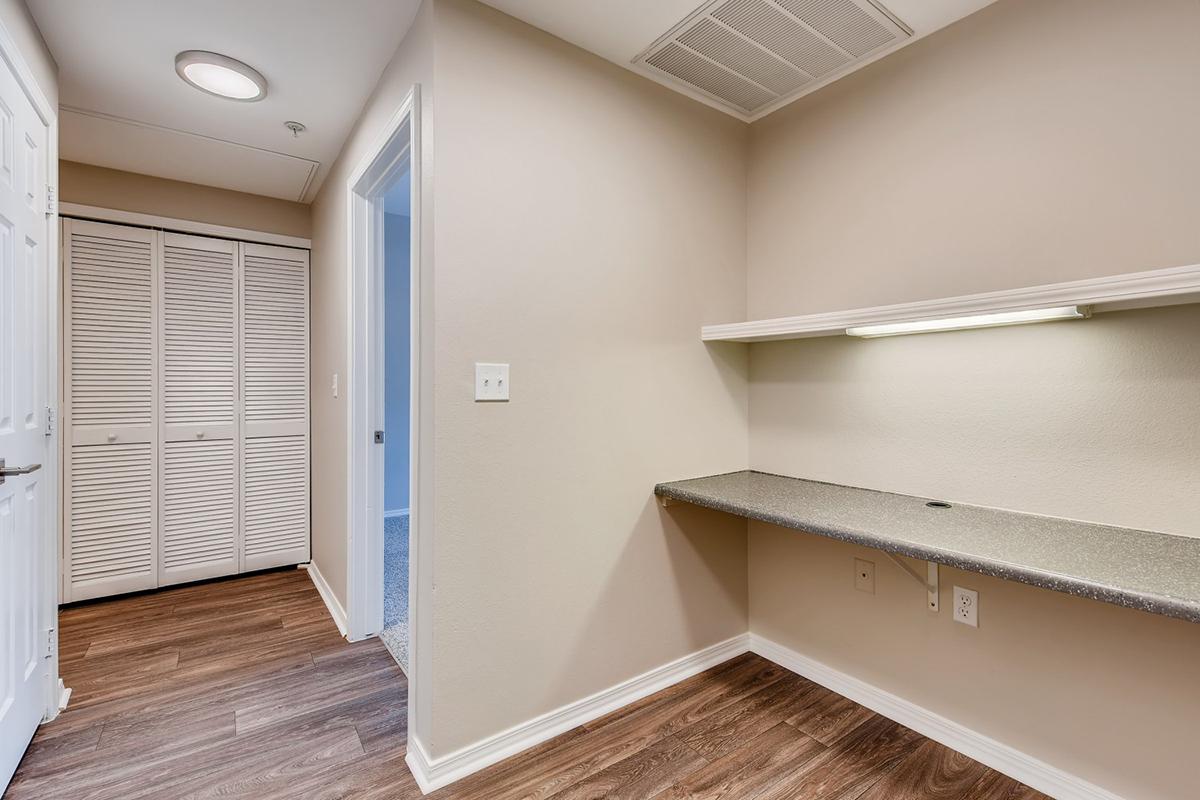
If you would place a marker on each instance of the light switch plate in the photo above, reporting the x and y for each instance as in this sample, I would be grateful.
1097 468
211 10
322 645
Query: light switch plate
491 383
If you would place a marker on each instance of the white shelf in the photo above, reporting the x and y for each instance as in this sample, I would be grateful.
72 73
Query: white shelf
1160 287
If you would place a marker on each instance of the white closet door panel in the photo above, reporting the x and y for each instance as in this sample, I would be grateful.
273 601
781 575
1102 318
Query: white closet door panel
199 338
275 338
275 508
110 331
199 510
112 499
199 528
110 415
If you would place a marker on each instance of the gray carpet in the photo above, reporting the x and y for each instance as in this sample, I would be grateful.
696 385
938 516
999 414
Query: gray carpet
395 589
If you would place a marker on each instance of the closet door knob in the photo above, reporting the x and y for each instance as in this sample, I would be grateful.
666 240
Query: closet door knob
199 434
112 437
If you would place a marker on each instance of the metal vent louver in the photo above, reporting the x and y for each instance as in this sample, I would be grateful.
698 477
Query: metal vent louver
750 54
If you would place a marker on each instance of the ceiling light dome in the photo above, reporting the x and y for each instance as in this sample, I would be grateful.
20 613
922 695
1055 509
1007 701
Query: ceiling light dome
221 75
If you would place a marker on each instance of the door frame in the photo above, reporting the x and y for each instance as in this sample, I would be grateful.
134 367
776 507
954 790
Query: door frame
397 147
55 695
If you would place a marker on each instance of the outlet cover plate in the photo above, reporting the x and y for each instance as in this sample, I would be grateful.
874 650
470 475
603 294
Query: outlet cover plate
966 606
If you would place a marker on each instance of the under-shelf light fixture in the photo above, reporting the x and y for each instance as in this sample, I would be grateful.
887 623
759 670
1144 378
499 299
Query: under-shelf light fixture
993 320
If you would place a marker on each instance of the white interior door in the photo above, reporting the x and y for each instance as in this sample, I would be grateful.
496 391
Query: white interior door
200 532
25 518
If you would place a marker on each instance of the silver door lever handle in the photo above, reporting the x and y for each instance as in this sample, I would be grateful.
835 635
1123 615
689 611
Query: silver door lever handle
9 471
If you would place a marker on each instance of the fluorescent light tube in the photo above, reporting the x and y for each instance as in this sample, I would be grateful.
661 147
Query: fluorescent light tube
971 321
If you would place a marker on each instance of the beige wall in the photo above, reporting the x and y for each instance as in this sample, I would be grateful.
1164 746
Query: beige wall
1013 148
24 31
1034 141
583 243
127 191
587 223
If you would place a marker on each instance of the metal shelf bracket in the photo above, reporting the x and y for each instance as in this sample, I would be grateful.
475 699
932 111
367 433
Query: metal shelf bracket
930 581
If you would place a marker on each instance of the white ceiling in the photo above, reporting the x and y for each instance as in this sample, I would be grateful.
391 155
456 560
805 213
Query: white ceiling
620 30
124 107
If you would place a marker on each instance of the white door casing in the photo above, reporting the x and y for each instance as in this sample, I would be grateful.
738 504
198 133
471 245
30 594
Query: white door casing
26 365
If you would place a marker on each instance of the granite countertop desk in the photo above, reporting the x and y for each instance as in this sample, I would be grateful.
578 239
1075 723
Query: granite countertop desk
1154 572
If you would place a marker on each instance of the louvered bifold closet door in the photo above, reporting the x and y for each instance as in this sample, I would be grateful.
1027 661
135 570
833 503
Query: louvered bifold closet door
199 527
111 503
275 517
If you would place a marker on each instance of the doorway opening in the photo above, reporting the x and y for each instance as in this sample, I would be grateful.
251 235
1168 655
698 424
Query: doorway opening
379 479
397 367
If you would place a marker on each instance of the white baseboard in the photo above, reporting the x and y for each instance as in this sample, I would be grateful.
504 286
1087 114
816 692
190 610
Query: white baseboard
398 512
1000 757
419 764
434 773
331 602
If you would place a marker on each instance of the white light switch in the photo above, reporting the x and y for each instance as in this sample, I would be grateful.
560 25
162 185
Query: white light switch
491 382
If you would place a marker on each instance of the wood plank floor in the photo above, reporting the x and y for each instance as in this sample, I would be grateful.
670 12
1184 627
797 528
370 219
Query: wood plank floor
243 689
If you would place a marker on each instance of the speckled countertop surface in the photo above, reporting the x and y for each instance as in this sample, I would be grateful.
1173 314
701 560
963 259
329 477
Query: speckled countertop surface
1154 572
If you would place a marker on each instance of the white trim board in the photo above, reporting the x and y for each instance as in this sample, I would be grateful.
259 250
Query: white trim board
180 225
331 602
1159 287
434 773
1001 757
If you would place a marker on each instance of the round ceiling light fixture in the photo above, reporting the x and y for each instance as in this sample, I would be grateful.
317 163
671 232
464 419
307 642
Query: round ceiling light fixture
221 75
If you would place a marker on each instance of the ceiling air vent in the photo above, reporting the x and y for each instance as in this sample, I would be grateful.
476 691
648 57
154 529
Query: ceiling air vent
752 55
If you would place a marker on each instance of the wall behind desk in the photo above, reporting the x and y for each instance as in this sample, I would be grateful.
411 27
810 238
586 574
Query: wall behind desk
1032 142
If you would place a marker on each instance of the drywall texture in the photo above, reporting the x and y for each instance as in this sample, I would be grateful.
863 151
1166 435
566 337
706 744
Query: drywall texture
1012 148
1034 141
127 191
17 20
588 222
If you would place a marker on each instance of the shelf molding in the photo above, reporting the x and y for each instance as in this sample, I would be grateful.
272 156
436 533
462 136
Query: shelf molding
1159 287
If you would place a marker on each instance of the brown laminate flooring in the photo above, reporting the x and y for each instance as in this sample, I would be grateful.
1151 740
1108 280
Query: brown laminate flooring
242 688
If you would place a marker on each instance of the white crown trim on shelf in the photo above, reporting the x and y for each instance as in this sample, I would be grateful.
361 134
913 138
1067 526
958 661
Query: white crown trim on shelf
1158 287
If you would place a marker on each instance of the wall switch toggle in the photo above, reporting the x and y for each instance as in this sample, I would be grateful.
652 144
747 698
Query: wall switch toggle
491 383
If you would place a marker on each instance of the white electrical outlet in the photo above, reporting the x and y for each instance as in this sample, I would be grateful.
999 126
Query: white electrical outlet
864 576
966 606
